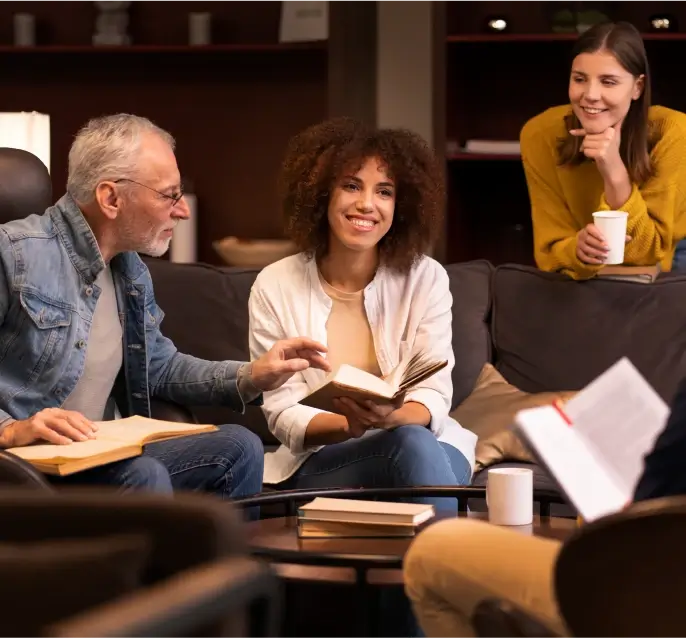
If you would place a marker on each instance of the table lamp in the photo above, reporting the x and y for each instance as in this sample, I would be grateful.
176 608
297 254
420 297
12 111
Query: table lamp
29 131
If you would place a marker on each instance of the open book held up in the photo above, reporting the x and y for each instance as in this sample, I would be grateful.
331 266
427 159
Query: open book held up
114 441
356 384
594 446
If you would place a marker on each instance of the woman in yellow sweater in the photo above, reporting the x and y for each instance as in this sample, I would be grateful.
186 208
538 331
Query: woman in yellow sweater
607 150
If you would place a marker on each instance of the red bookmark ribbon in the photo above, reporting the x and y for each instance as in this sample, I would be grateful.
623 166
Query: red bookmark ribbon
557 404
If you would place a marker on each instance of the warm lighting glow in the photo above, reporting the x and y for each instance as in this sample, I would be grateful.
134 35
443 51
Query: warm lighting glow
498 24
27 131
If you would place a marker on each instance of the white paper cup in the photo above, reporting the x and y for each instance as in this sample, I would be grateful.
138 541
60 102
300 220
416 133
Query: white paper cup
510 496
612 224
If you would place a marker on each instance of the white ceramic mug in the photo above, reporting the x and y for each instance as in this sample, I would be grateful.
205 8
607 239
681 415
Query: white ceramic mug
612 223
510 496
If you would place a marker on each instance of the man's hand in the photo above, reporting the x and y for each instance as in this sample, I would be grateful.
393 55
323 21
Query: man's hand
363 416
53 425
285 358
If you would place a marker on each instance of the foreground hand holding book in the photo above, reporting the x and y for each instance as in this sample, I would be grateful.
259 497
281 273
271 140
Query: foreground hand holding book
358 385
352 518
114 441
594 446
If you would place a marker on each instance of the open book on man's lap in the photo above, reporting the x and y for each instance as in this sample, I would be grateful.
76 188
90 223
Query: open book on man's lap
359 385
115 441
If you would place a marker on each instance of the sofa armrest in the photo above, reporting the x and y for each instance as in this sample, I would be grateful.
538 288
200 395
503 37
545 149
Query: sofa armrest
168 411
15 472
222 593
494 617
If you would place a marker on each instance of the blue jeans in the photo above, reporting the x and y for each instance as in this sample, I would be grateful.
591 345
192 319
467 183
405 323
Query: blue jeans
228 463
679 261
408 456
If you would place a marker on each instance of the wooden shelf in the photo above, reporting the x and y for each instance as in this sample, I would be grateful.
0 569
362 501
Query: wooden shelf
217 100
544 37
276 47
464 156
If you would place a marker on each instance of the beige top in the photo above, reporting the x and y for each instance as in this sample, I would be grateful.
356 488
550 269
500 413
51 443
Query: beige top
349 336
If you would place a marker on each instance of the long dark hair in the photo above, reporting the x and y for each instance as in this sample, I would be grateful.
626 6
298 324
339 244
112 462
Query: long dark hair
624 41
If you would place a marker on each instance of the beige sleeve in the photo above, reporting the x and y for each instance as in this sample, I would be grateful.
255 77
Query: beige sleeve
455 564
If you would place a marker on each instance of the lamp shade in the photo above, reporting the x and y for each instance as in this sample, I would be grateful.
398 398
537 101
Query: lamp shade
27 131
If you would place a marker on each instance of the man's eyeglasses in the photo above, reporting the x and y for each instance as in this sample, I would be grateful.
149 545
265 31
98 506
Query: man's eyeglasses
175 197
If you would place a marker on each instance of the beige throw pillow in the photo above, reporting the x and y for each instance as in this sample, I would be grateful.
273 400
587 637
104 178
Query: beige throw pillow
489 412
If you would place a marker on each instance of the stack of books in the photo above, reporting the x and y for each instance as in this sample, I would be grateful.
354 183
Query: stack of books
350 518
636 274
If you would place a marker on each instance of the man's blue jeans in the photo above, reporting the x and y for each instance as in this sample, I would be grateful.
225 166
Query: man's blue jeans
408 456
228 463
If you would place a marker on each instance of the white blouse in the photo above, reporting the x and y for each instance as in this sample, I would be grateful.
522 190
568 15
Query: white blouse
404 311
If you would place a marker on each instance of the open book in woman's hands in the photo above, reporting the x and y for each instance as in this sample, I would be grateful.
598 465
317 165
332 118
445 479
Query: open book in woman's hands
358 385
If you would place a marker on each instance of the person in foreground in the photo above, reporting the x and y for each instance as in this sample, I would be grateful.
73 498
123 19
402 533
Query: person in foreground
363 205
80 335
609 149
454 565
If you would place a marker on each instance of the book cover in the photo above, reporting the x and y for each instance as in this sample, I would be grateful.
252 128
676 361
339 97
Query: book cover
359 385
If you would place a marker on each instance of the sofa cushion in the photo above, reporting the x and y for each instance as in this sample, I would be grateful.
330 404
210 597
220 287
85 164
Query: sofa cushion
206 315
489 412
552 333
470 286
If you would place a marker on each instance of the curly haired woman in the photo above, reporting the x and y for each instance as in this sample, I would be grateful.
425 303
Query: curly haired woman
363 205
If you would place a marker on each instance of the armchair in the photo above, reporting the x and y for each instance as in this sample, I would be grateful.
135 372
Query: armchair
99 563
217 594
25 185
621 575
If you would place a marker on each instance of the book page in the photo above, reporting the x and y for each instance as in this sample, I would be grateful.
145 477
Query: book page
412 370
619 416
76 450
581 476
140 429
355 378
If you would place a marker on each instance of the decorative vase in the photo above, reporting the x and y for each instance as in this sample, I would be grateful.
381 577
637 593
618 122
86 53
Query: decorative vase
111 24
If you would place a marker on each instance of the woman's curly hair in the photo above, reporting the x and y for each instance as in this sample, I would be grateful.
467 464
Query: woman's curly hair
320 155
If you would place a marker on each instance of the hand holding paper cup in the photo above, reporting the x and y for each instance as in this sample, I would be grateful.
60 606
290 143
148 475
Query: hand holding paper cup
612 224
510 496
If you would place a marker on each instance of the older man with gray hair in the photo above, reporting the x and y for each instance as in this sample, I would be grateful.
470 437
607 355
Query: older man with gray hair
80 337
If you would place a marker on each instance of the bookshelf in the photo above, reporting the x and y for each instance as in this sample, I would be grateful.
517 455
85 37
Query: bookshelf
495 83
231 105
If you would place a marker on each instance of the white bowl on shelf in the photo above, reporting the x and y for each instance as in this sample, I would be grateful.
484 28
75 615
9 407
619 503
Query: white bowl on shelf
253 253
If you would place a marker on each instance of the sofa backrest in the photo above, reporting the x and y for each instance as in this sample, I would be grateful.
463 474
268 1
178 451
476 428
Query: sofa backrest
551 333
470 286
206 315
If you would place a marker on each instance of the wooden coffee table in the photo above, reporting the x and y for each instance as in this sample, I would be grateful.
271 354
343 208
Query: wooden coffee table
368 565
377 560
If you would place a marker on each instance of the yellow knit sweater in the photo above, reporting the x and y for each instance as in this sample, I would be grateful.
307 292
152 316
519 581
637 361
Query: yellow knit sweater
563 198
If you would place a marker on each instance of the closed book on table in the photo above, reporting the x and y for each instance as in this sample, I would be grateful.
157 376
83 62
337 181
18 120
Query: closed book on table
365 512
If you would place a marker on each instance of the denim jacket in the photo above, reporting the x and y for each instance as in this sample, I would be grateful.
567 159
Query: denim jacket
48 264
